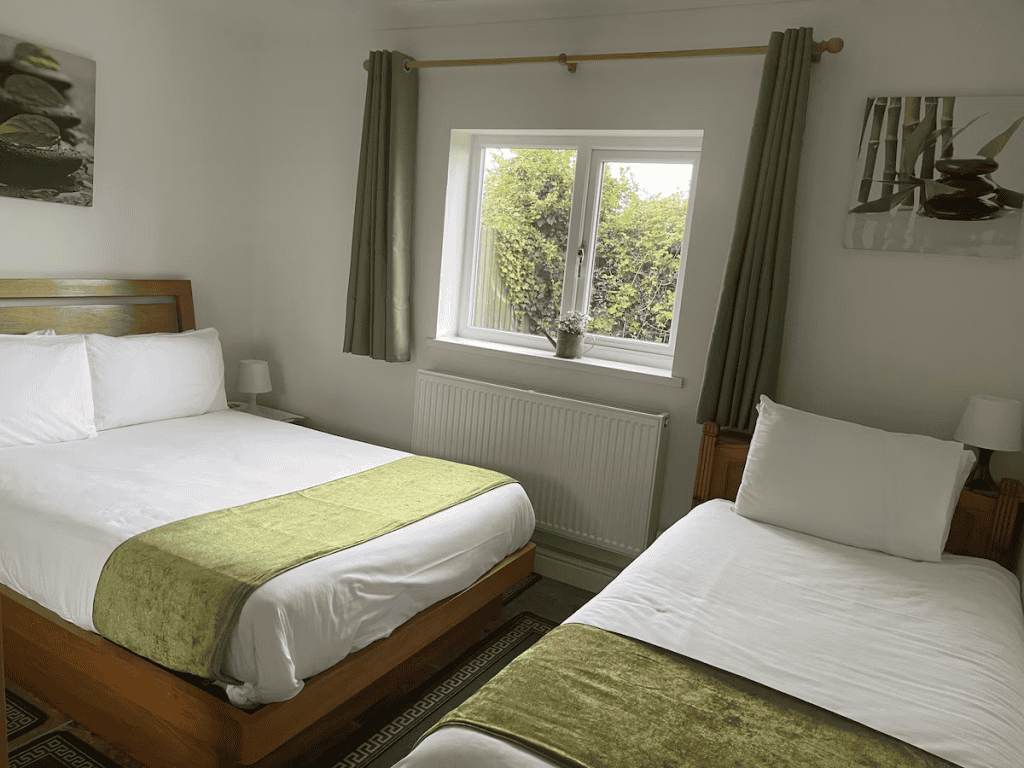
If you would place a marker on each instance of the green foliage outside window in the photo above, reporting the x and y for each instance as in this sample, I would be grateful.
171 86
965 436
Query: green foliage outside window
527 198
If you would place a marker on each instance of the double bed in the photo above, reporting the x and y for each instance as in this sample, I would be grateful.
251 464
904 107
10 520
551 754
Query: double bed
773 646
309 645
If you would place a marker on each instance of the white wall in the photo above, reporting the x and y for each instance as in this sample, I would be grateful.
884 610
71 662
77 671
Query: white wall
227 150
893 340
900 341
174 155
312 87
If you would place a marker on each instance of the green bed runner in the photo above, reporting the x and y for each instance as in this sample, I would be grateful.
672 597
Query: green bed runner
173 594
588 698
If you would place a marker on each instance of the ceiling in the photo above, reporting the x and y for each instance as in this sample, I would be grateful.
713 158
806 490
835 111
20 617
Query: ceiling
412 13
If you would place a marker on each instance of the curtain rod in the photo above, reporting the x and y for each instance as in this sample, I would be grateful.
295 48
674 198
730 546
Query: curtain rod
835 45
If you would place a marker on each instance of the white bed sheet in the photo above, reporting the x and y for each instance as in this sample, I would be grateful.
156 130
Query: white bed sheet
64 507
931 653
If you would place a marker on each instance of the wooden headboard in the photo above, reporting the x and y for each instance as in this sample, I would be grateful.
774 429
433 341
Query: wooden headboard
113 307
983 526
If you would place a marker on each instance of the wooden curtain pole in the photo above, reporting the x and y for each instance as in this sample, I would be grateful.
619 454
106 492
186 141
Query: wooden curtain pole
835 45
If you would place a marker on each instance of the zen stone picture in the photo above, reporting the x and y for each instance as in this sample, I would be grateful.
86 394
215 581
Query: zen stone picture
47 123
939 174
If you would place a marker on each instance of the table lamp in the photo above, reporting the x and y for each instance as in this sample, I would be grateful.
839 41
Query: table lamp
990 424
253 379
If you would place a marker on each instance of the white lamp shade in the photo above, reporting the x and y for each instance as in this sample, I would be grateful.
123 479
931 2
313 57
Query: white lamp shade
253 376
991 422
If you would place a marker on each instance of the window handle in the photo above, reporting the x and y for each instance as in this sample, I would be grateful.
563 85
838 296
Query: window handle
579 263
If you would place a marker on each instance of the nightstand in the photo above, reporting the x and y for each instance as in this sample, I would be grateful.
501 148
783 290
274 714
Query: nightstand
267 413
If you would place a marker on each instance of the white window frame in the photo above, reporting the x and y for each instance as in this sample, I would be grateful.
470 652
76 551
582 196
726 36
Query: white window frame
459 260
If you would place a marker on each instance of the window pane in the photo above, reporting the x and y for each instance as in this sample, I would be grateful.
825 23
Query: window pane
639 240
524 227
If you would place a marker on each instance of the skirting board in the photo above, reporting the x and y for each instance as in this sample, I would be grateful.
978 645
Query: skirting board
571 570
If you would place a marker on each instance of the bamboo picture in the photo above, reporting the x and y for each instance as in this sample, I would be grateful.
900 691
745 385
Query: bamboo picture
877 115
939 174
928 156
947 125
911 119
892 138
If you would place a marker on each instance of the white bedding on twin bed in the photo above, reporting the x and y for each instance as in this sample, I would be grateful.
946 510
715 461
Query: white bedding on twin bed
64 507
931 653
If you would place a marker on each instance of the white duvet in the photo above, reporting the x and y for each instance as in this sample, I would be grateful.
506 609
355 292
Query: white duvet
64 507
930 653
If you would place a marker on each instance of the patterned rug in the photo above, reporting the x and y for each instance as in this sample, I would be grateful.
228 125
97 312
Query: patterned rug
22 716
39 736
392 734
59 749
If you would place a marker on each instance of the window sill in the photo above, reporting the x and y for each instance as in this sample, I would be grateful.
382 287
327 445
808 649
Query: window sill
642 373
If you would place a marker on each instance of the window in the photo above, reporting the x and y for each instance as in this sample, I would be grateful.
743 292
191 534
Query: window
551 223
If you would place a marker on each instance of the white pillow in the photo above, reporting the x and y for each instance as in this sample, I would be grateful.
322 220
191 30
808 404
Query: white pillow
45 390
851 484
155 376
29 335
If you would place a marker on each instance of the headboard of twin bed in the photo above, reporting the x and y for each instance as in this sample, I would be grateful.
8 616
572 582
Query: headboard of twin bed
113 307
983 526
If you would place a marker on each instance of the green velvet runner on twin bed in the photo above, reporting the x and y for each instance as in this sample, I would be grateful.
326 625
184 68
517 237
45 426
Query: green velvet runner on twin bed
587 698
173 594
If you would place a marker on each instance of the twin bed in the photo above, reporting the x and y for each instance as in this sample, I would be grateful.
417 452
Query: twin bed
735 640
802 614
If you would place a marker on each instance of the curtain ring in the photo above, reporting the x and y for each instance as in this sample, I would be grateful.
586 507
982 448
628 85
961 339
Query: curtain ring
405 66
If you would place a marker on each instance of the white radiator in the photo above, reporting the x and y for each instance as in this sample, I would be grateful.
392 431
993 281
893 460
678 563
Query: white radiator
592 471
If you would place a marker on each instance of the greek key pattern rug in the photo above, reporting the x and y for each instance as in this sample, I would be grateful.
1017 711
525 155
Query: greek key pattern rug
22 716
391 736
59 749
39 736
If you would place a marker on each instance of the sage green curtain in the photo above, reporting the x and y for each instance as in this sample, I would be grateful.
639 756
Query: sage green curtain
743 357
378 322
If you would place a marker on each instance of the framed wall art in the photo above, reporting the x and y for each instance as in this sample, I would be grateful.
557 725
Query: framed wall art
939 174
47 123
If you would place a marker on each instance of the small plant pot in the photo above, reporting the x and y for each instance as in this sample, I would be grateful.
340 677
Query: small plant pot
569 345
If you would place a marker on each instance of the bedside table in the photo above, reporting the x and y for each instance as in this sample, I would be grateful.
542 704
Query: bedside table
267 413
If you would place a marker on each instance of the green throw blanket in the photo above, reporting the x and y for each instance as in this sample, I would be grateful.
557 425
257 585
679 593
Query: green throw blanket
587 698
173 594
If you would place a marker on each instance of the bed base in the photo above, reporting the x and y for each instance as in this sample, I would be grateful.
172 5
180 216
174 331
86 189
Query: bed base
165 722
983 526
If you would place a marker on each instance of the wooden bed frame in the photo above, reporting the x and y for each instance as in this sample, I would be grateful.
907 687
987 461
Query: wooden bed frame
143 709
983 526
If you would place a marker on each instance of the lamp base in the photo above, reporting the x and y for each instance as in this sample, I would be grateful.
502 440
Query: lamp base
254 408
980 479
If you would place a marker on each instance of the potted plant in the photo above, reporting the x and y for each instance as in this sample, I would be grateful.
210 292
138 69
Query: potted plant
572 326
